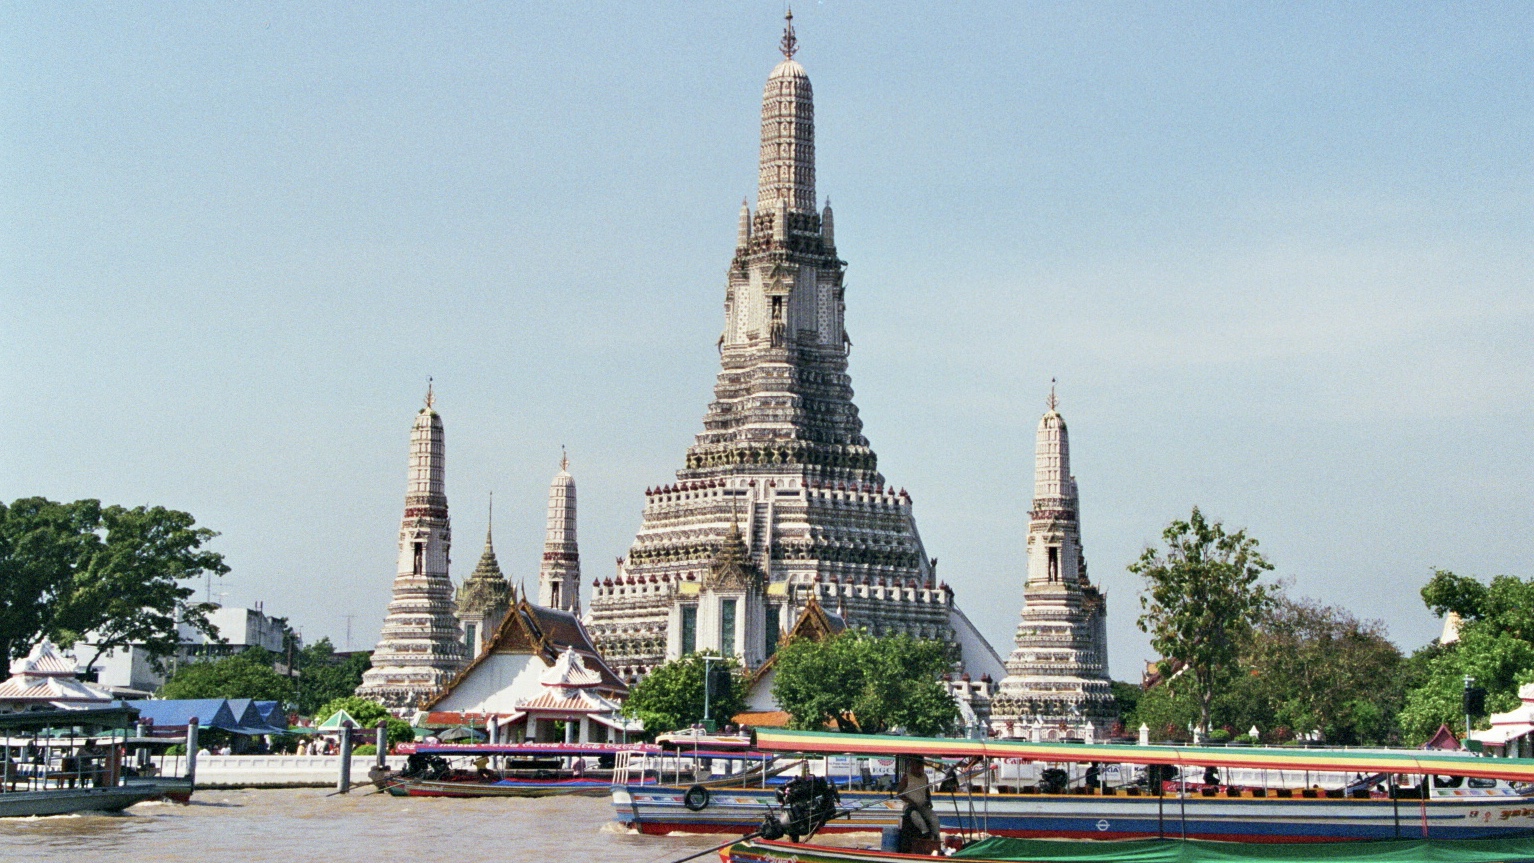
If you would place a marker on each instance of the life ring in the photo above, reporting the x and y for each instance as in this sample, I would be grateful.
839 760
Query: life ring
696 798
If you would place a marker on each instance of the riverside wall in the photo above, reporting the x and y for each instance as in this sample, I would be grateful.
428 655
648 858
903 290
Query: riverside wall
282 771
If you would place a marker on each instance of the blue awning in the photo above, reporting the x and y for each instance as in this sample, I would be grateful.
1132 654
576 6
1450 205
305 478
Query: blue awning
237 716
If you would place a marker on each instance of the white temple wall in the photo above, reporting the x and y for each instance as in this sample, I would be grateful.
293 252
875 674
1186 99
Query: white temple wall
495 685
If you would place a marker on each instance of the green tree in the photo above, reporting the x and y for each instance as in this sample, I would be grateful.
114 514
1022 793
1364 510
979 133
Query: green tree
865 683
41 543
671 696
1167 713
367 713
1495 646
244 675
1310 666
116 575
1126 699
323 675
1201 599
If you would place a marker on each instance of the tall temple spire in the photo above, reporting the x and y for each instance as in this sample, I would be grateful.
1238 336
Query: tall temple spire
1053 488
788 134
559 575
1058 673
421 646
782 445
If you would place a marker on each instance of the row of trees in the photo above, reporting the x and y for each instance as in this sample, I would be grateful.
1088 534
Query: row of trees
1239 652
318 676
854 681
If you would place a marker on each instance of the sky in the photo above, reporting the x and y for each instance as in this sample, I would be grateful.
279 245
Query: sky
1277 256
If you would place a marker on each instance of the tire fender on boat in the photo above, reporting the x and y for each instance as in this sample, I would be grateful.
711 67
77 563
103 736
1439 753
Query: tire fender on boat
696 798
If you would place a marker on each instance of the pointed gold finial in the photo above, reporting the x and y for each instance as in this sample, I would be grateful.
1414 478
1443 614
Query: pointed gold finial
430 398
790 43
564 459
490 520
1053 401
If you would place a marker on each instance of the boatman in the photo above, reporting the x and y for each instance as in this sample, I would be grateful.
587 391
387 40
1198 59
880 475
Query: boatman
913 788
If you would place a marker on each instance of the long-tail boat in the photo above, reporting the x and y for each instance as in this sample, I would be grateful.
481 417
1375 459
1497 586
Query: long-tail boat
1002 850
505 769
1399 794
62 762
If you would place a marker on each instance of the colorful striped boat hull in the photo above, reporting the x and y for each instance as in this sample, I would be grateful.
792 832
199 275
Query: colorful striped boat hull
659 809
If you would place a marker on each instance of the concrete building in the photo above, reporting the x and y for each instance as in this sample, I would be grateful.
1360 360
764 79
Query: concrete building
130 671
782 455
1057 681
421 646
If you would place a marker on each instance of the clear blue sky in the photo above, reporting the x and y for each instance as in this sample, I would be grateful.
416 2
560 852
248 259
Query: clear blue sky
1277 254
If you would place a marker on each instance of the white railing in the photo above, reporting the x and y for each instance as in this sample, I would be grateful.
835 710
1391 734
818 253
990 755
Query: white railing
274 771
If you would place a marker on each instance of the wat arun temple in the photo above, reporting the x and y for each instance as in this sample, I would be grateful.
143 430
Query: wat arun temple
779 506
782 454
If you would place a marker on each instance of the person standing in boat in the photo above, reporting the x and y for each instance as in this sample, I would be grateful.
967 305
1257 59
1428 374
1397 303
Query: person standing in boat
916 791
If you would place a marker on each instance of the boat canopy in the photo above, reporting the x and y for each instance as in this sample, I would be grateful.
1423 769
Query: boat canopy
115 716
1201 851
527 749
1413 761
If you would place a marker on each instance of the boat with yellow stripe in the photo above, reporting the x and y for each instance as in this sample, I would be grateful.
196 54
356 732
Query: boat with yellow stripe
1394 794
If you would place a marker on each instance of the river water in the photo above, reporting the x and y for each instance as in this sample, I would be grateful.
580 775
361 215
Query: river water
305 826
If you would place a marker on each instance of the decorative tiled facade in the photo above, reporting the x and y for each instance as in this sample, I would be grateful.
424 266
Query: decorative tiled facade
1057 678
559 574
421 647
782 451
483 599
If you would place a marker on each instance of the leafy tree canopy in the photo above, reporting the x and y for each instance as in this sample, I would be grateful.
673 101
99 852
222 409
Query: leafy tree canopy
244 675
671 696
367 713
1314 667
1495 646
1201 599
115 574
1506 605
1305 667
1167 714
861 682
324 676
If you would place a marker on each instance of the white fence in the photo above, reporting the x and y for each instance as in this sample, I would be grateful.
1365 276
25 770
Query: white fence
282 771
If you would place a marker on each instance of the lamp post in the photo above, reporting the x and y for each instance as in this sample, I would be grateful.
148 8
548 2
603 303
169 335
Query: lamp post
706 681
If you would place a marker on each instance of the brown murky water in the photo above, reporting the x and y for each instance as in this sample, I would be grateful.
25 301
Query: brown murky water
304 826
